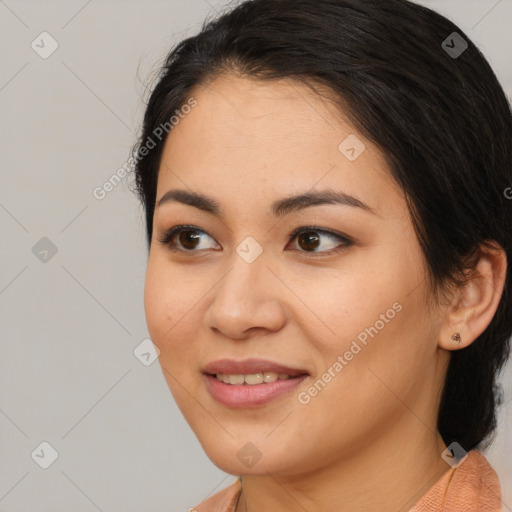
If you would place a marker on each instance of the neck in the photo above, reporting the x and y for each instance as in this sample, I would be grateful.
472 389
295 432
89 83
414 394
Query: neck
388 475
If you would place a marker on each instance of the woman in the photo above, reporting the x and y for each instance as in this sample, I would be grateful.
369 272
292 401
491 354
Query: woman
328 225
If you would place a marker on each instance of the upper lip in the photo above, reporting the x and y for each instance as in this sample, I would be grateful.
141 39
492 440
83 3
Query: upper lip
250 366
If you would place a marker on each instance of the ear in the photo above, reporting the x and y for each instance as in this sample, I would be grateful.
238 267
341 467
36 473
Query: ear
473 305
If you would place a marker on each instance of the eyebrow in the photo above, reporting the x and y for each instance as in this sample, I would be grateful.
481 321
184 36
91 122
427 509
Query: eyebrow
279 208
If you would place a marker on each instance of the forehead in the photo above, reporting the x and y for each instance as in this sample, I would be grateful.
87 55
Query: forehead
275 113
276 136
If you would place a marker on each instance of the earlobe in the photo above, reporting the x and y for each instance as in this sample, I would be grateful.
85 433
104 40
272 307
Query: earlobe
475 303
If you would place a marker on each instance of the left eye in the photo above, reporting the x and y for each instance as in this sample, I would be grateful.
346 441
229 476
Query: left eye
309 239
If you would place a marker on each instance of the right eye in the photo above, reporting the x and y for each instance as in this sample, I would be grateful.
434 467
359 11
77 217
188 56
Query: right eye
185 238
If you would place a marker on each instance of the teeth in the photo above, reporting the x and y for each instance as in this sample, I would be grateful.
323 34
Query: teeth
236 379
254 378
270 377
251 379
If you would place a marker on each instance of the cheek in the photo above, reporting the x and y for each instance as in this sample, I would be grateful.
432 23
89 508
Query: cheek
174 310
167 306
365 377
158 309
345 307
373 316
172 323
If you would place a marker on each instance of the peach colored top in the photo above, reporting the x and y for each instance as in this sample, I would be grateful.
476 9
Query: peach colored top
473 486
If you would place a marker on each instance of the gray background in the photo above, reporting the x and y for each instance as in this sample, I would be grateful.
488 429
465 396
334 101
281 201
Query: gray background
70 323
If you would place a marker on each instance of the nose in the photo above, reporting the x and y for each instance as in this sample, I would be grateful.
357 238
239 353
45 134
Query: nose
246 301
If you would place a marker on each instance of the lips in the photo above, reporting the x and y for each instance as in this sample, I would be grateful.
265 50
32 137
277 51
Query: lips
251 366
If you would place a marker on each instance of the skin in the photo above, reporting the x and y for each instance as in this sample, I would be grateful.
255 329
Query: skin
367 441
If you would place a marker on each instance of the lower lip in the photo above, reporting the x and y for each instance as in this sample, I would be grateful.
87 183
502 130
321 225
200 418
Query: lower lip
250 395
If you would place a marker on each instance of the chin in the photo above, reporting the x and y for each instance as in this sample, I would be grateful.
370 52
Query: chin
243 457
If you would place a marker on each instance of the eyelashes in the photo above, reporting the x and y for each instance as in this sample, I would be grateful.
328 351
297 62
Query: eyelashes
184 235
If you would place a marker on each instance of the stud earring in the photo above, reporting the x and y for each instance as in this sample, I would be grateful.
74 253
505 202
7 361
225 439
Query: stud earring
456 337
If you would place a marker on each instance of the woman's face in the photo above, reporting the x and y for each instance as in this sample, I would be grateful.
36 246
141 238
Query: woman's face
341 306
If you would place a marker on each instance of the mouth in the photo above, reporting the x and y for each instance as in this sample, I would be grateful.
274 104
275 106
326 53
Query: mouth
250 383
251 379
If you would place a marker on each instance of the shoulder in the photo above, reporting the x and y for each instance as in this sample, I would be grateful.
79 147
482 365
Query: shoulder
222 501
472 482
